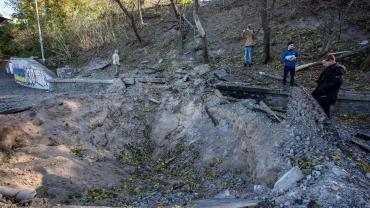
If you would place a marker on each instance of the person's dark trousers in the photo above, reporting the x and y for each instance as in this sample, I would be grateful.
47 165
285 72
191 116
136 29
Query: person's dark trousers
325 104
290 70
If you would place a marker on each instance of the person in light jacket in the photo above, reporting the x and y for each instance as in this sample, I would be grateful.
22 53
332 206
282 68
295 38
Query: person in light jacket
116 63
249 36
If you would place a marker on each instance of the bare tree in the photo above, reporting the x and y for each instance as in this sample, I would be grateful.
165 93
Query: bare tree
201 31
265 19
175 9
131 17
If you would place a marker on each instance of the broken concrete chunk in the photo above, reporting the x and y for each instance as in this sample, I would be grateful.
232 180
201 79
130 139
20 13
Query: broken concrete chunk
224 195
24 196
288 180
225 203
185 78
218 93
154 101
20 195
128 81
65 72
221 74
201 69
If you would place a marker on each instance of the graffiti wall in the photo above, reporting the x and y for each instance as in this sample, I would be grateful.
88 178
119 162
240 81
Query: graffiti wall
30 73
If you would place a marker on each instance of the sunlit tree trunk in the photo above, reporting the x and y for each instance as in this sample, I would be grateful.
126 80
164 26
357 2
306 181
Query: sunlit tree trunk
140 11
201 31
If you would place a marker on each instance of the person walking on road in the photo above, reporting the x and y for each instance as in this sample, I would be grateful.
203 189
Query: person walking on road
249 37
289 59
328 83
116 63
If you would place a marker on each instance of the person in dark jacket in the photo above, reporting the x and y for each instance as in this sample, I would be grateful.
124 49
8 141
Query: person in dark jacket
289 59
329 82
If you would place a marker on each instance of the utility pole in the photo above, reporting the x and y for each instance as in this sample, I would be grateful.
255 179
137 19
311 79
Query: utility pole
40 34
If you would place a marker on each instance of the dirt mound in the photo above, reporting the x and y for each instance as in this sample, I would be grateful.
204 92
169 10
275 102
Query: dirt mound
12 138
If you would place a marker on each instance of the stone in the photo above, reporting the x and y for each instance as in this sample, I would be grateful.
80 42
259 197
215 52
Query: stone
200 70
154 101
288 180
225 203
185 78
368 175
198 82
318 167
65 72
224 195
259 189
25 196
221 74
334 186
316 173
128 81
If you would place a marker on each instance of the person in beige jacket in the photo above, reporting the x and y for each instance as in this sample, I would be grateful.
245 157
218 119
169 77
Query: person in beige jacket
249 36
116 63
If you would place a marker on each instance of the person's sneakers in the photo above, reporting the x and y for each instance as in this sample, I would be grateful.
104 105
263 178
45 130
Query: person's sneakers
245 64
250 65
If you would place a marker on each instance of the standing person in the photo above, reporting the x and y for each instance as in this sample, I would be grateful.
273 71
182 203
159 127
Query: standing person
328 83
116 63
249 37
289 59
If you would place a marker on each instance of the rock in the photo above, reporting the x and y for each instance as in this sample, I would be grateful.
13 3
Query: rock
318 167
316 173
225 203
154 101
25 196
224 195
288 180
37 122
185 78
65 72
218 93
144 62
334 186
20 195
259 189
118 85
221 74
128 81
198 82
200 70
368 175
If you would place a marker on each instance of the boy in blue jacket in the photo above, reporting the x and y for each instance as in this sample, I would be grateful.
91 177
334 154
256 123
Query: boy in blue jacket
289 59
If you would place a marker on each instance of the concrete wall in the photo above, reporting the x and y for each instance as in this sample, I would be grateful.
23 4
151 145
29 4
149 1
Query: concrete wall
87 85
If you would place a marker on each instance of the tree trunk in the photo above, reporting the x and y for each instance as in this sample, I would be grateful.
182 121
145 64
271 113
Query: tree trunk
131 17
341 57
140 12
266 32
201 31
365 66
175 9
